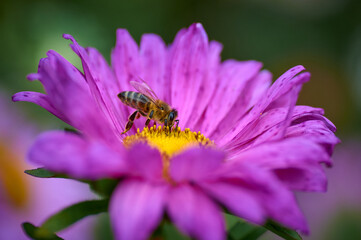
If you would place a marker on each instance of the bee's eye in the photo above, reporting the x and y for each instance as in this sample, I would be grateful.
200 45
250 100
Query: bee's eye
161 108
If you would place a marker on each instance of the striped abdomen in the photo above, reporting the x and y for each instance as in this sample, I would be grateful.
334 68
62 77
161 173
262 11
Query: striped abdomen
135 100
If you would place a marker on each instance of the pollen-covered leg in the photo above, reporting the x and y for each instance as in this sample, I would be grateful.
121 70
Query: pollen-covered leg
130 122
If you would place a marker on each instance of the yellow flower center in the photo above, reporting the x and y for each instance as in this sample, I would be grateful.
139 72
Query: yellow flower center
168 142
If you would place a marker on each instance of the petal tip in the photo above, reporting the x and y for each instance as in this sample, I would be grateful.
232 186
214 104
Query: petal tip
33 76
197 28
198 25
15 98
122 33
67 36
20 96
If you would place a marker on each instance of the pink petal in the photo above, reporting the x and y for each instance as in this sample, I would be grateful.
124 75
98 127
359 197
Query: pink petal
153 56
72 154
283 208
292 155
102 84
68 93
237 200
40 99
318 131
208 87
136 208
276 200
125 60
145 162
188 61
259 87
310 177
126 64
233 78
195 214
271 124
281 93
252 92
195 164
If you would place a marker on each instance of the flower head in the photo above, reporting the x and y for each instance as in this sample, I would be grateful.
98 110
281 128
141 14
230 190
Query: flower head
245 147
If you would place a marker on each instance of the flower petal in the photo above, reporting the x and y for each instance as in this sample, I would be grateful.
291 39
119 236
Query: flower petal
276 200
299 156
195 214
136 208
126 64
208 87
102 84
125 60
68 93
145 162
315 128
254 88
40 99
281 94
305 122
72 154
233 77
195 164
188 59
237 200
153 56
309 177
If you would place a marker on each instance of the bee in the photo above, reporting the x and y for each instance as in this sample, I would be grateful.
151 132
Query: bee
147 104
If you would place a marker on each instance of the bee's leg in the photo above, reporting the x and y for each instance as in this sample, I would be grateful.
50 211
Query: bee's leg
149 118
166 125
177 121
130 121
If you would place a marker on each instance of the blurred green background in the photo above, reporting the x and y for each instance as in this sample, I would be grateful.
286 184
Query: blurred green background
322 35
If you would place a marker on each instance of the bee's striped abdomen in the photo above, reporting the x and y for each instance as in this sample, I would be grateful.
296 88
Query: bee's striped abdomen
135 100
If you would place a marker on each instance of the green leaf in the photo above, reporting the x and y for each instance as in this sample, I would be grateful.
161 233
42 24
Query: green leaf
37 233
74 213
245 231
102 229
169 231
281 231
64 219
239 229
43 173
103 187
71 130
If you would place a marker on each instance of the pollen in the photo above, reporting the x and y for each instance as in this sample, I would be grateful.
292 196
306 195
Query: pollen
168 142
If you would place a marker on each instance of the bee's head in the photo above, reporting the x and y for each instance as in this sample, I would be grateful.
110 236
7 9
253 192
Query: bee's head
171 117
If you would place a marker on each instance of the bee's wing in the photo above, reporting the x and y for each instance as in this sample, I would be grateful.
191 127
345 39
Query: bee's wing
144 88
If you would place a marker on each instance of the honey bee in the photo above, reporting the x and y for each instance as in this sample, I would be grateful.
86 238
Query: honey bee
147 104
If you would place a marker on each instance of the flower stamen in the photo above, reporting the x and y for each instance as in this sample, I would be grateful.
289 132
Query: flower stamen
169 143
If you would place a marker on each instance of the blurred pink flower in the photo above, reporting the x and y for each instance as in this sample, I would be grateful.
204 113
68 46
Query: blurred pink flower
22 197
266 146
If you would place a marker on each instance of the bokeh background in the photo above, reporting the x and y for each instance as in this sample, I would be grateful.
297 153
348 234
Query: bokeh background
322 35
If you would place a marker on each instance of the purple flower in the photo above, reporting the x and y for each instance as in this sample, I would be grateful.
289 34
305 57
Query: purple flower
252 145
